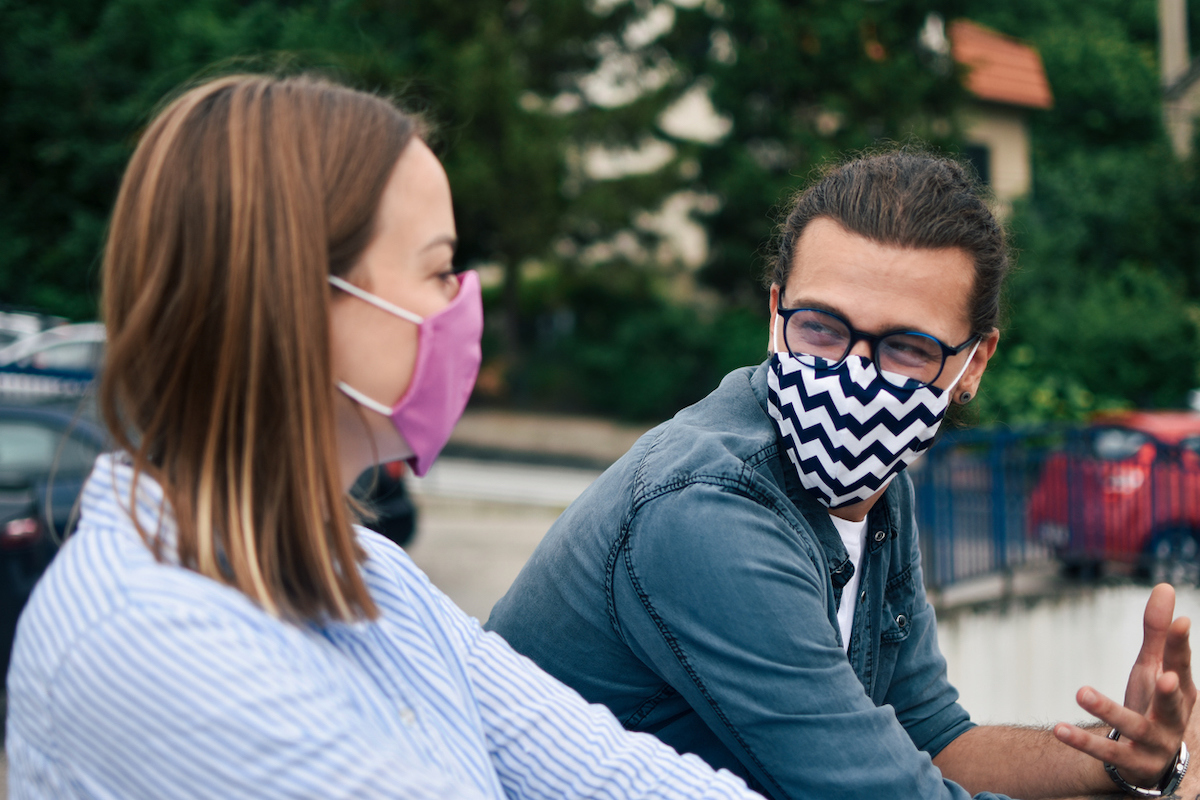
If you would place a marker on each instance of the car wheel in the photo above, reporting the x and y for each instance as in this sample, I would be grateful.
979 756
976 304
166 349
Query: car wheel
1175 557
1082 569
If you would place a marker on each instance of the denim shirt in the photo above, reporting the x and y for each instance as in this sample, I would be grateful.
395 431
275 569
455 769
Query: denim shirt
693 589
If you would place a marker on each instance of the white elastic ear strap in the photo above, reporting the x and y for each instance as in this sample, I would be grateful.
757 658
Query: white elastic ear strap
964 366
378 302
367 402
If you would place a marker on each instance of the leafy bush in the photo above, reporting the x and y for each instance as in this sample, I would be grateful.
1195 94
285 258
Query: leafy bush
605 341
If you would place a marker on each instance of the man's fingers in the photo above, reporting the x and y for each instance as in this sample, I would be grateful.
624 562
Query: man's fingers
1170 708
1096 746
1132 725
1134 764
1177 654
1156 620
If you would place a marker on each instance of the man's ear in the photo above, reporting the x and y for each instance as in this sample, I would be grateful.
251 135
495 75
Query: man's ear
773 305
971 378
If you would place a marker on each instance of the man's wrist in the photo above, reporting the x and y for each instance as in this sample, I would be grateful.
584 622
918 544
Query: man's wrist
1166 785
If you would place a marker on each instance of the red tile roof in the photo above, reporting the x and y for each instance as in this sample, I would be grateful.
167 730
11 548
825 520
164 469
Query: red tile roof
999 68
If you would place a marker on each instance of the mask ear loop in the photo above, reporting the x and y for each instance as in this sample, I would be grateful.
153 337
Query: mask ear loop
375 300
963 371
363 400
384 305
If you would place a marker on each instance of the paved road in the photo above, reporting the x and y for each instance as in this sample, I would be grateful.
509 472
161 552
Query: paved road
479 521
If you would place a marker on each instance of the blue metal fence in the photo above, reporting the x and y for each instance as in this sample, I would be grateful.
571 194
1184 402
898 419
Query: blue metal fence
994 500
972 495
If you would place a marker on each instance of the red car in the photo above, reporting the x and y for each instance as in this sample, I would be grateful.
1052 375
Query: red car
1127 490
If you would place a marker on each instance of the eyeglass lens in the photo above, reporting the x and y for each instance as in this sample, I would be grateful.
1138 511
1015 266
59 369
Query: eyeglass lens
908 356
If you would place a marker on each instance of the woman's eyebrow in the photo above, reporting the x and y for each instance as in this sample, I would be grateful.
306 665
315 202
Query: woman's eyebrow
440 240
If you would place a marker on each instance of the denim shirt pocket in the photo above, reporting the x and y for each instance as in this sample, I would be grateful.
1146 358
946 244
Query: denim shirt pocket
899 601
899 605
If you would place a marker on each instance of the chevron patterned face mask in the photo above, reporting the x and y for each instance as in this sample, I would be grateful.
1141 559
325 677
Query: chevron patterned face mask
848 431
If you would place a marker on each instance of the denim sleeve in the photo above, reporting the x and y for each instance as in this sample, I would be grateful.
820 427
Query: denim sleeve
920 691
719 594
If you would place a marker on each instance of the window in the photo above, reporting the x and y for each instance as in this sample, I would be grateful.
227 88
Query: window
980 156
31 448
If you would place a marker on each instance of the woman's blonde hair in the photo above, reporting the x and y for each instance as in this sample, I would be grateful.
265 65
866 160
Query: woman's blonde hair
243 195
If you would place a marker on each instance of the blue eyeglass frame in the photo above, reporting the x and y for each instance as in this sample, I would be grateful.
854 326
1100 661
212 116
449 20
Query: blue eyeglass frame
873 339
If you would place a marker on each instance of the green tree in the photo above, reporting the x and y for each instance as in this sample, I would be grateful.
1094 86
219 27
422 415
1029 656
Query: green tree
1105 304
78 78
803 83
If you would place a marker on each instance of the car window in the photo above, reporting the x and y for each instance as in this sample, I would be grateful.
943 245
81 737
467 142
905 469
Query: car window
1117 444
30 447
68 355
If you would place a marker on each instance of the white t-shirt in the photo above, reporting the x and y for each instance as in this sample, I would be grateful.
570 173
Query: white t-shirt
854 537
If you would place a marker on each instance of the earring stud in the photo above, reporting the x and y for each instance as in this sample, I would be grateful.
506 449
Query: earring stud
964 397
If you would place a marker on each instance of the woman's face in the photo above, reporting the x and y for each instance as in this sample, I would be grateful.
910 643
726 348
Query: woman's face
879 288
409 263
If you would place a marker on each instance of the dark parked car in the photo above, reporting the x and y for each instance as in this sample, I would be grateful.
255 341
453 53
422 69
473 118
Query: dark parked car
45 456
1127 490
59 362
382 493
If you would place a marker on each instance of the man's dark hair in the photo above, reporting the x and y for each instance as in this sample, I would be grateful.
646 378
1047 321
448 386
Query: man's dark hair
907 199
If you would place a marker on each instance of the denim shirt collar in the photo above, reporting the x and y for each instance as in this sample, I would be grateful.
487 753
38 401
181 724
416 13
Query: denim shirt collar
880 519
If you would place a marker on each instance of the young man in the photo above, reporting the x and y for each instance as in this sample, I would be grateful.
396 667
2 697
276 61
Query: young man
745 583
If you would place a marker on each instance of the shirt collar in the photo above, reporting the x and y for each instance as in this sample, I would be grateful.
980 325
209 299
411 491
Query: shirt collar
110 486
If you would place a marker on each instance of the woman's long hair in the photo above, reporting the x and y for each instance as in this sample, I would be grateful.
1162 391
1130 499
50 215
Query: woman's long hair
243 195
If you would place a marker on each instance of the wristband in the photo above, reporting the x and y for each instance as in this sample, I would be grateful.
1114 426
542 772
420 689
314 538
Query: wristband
1170 780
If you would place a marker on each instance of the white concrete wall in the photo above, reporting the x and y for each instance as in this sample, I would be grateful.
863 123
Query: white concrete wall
1024 664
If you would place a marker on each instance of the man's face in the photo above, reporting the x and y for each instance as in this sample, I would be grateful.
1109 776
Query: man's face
879 288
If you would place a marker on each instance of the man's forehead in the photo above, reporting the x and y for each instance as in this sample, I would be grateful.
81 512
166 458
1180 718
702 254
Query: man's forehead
887 284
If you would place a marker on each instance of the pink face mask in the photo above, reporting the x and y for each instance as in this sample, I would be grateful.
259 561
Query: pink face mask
448 357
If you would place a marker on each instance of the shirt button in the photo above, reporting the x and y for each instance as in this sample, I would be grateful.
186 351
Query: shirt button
901 620
408 717
880 536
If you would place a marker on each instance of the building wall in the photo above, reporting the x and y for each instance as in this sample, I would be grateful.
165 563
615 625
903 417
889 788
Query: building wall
1180 115
1024 664
1005 133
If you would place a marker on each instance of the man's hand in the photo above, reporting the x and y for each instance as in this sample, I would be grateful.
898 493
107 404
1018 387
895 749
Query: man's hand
1158 700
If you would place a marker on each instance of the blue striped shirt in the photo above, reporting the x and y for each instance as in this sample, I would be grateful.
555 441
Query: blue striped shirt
134 678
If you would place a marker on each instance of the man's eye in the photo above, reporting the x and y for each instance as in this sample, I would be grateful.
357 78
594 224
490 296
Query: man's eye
817 330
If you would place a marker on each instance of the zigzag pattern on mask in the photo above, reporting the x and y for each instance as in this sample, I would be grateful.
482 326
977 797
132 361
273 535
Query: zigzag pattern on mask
847 430
822 484
855 389
883 417
814 442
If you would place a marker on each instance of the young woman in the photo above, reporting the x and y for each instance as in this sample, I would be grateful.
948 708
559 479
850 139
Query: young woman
282 312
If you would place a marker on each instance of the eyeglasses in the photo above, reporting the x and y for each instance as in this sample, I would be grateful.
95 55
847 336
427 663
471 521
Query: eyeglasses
906 359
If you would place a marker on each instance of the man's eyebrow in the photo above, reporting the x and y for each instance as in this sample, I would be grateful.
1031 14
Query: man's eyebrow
819 306
440 240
